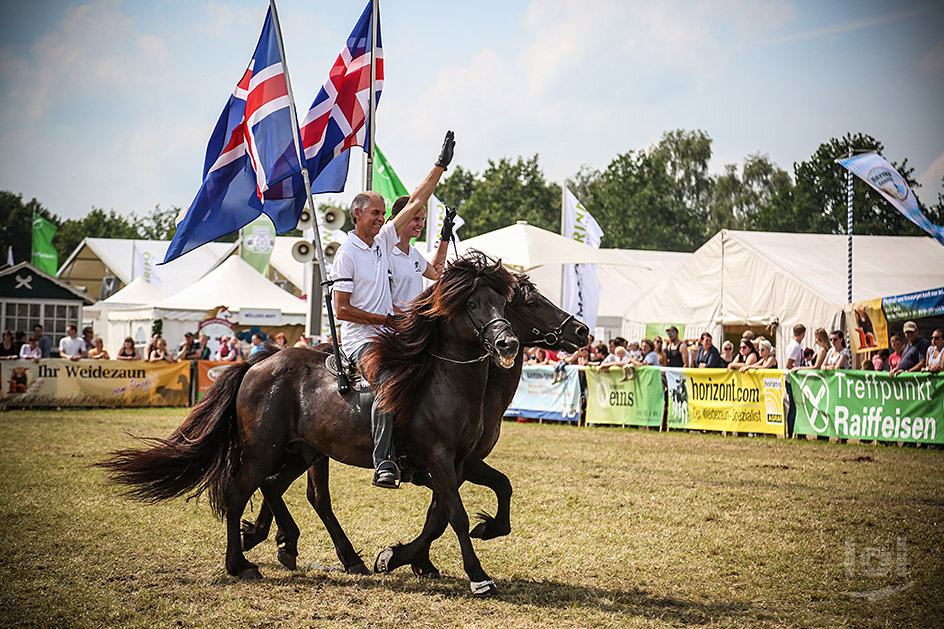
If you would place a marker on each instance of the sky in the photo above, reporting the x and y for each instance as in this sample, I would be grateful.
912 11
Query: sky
110 104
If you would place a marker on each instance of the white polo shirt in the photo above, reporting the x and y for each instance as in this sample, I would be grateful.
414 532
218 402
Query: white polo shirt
407 279
69 346
369 266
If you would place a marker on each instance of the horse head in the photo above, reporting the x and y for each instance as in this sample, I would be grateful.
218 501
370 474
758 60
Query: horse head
538 322
474 291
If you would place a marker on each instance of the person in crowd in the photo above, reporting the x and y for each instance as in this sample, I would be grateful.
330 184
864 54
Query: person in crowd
189 349
867 365
160 353
816 358
676 349
598 353
708 355
727 353
660 352
580 357
233 352
897 343
619 356
766 357
71 346
304 342
748 334
224 348
914 354
280 341
256 343
203 344
634 352
794 355
98 350
747 355
7 348
934 359
88 337
19 340
838 356
45 343
128 351
649 357
880 360
151 346
31 349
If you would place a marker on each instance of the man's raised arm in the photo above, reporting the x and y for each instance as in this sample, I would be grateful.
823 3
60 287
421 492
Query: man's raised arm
425 190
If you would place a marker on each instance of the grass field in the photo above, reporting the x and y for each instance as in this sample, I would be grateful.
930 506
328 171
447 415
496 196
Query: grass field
611 527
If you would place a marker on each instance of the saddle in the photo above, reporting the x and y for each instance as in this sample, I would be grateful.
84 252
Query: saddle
350 370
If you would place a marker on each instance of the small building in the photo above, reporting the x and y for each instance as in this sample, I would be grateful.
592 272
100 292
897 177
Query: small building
29 296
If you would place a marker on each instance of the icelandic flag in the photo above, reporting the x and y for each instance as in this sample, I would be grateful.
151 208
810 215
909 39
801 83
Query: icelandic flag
250 159
338 119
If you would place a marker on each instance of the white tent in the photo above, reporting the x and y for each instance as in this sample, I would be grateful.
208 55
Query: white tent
234 284
757 278
138 293
620 285
524 247
95 258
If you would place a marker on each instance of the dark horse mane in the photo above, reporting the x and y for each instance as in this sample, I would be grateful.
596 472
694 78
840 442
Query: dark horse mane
401 352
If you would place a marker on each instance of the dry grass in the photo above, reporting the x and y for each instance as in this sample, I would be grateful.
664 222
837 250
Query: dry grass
612 527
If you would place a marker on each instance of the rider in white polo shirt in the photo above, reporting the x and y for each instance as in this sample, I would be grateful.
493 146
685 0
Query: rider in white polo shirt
363 303
408 267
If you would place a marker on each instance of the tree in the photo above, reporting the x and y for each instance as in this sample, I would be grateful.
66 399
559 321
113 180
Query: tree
819 203
752 199
456 189
686 155
16 227
158 224
96 224
508 192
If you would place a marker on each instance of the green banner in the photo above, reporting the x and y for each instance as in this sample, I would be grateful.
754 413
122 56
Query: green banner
636 401
658 329
44 255
869 405
257 239
386 182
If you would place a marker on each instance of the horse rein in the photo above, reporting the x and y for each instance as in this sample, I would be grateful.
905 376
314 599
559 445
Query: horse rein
480 333
551 337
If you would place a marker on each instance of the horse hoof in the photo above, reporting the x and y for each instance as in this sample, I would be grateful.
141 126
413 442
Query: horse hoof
358 569
479 531
426 572
484 589
249 536
383 561
287 559
249 574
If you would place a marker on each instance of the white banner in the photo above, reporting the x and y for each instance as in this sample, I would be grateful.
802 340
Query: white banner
144 264
874 170
435 211
580 293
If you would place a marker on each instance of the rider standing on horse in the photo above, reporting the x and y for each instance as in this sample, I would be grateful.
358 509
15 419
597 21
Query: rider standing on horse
363 301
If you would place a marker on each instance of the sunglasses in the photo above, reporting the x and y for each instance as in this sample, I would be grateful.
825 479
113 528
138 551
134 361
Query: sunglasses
937 338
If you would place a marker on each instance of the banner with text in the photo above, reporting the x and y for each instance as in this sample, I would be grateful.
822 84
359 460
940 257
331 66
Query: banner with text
869 405
57 382
539 397
207 373
721 400
636 401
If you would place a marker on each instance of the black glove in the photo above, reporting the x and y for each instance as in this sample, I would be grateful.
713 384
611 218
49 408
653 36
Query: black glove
448 220
449 145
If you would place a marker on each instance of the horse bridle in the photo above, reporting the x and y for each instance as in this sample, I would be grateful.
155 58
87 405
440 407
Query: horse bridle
480 331
551 337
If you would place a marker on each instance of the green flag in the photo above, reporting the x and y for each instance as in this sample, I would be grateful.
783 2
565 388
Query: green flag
256 241
44 256
386 182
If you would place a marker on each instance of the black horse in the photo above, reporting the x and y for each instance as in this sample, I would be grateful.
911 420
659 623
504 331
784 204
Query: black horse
262 417
536 322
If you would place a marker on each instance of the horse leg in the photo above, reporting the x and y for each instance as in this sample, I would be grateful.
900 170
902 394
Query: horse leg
320 498
481 473
255 533
235 497
416 553
446 488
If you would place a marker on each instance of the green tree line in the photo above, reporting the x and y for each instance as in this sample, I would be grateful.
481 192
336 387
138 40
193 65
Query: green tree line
660 198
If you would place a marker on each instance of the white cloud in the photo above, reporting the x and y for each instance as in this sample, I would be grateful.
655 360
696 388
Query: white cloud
931 181
933 60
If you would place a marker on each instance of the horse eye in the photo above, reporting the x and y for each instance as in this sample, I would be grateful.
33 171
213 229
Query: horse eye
471 304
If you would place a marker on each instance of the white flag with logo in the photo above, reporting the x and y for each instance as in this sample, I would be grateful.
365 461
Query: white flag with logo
878 173
580 293
144 264
435 212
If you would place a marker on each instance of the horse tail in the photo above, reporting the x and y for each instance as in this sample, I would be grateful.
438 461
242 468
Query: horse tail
201 455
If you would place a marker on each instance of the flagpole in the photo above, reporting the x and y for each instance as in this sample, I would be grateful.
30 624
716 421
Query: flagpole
343 384
563 215
849 222
374 19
